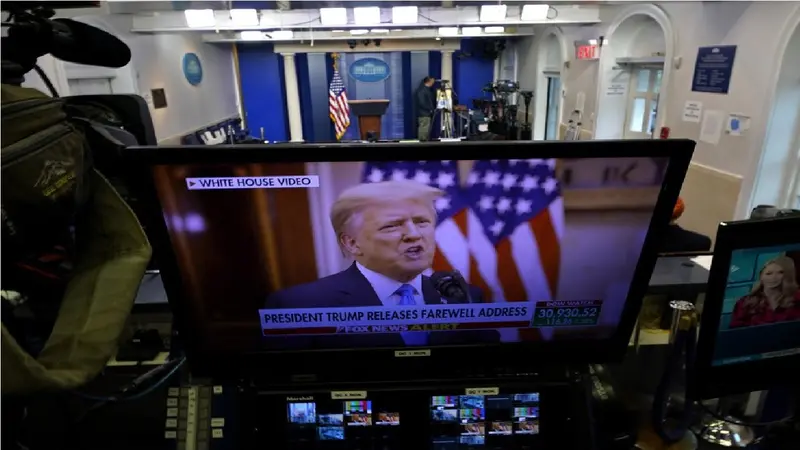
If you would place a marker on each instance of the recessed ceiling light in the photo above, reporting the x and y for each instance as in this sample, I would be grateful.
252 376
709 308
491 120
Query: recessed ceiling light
253 35
405 14
493 13
244 17
369 15
333 16
534 12
200 18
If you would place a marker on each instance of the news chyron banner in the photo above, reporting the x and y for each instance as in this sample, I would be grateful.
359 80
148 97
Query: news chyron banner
380 319
276 182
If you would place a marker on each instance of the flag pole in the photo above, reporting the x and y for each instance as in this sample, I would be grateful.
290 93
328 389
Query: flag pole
335 57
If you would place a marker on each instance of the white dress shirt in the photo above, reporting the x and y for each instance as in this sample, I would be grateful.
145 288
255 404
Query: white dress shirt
386 287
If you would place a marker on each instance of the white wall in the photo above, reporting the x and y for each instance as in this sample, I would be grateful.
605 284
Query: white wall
157 63
782 142
758 29
545 51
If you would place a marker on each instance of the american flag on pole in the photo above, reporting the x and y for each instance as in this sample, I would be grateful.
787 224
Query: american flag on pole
502 230
338 107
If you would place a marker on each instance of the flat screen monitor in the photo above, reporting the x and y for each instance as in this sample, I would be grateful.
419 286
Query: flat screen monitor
398 252
750 328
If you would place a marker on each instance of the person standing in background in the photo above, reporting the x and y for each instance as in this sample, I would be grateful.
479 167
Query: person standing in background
426 105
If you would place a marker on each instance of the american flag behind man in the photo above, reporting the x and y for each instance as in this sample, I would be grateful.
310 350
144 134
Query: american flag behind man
515 228
338 107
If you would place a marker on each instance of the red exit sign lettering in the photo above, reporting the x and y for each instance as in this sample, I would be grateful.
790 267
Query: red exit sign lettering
586 52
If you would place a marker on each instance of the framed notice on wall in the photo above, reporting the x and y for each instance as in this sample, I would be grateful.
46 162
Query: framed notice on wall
713 69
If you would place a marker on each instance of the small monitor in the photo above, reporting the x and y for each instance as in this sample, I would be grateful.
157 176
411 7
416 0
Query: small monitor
750 328
383 252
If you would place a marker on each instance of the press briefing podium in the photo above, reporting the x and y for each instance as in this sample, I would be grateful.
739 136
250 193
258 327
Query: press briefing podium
369 114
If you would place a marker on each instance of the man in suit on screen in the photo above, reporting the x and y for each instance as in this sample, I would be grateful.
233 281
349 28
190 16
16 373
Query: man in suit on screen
388 229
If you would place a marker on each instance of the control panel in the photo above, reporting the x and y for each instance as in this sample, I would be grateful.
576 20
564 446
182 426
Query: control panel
441 418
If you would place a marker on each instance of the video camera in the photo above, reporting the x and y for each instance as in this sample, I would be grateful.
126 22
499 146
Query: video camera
59 214
502 110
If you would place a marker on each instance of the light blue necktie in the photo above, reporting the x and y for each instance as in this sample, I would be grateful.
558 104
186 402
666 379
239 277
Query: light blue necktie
406 294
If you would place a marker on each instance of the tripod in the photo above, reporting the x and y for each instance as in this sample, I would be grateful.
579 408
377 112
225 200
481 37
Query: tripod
444 110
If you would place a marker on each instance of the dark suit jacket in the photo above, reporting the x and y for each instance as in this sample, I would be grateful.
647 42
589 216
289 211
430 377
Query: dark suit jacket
349 288
677 239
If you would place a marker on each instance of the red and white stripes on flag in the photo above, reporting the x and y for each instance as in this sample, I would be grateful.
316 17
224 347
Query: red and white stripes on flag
338 108
508 241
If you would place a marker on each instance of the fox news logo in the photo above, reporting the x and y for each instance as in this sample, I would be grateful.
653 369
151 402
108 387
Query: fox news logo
372 329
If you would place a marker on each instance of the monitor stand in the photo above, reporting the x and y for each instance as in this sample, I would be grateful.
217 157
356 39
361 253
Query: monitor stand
730 432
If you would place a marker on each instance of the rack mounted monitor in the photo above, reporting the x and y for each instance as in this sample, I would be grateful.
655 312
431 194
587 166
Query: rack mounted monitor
356 262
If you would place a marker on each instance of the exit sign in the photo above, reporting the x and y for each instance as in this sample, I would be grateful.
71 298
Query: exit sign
586 52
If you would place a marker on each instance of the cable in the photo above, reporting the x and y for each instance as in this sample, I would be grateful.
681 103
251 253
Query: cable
46 80
744 424
554 16
136 383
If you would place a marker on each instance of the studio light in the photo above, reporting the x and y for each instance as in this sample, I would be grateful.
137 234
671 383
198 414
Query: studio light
494 30
368 15
404 15
200 18
358 32
534 12
333 16
244 17
448 31
493 13
471 31
379 31
280 35
253 35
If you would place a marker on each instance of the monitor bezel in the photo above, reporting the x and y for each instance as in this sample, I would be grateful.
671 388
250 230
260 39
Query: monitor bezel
739 378
323 365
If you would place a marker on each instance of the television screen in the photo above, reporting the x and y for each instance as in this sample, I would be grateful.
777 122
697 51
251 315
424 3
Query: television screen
761 311
331 255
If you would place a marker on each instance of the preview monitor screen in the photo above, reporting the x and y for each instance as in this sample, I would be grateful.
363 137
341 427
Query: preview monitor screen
761 311
376 254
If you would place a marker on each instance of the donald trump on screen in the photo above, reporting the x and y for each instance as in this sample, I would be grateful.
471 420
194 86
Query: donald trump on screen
388 229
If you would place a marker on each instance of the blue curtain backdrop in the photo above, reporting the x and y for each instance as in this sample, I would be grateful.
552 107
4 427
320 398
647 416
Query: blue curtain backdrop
392 89
264 96
471 73
263 91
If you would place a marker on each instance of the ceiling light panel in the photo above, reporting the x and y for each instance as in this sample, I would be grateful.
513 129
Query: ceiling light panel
199 18
244 17
493 13
253 35
279 35
369 15
405 15
333 16
534 12
448 31
471 31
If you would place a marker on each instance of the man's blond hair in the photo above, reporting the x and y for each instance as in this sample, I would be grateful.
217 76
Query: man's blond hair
354 200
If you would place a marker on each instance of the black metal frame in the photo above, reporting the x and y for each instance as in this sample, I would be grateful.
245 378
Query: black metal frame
716 381
316 365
